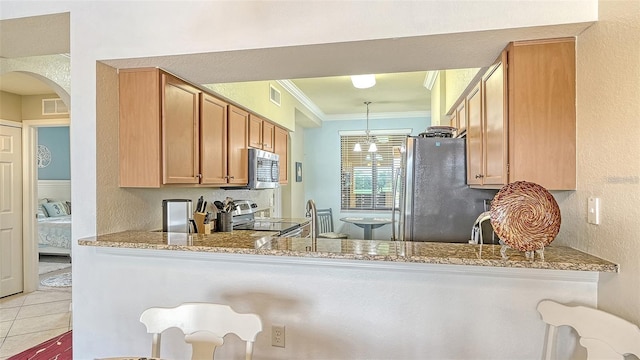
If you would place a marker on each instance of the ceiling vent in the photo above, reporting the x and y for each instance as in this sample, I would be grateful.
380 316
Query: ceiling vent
274 95
54 107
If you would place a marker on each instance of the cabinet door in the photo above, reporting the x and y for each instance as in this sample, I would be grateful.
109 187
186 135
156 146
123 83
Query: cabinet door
238 161
495 129
139 127
213 140
474 137
255 131
461 115
268 134
281 144
453 122
180 131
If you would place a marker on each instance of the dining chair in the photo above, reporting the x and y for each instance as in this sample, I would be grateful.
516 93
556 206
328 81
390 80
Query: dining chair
604 335
204 326
324 223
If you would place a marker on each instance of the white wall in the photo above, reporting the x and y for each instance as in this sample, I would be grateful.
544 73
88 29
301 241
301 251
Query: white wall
331 308
608 89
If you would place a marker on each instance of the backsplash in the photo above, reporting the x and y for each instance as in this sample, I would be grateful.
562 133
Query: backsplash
141 209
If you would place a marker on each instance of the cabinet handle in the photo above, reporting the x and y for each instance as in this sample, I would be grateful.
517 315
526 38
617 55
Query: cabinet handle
231 177
479 176
200 176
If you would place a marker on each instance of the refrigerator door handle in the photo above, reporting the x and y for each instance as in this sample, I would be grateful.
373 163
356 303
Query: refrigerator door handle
394 186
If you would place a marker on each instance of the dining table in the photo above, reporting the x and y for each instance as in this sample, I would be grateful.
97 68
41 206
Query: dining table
367 223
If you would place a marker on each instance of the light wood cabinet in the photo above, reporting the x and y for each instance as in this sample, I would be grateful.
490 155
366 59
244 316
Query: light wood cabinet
158 130
458 118
213 139
180 131
261 133
255 131
238 157
527 121
268 136
171 133
494 171
281 144
461 117
474 136
542 113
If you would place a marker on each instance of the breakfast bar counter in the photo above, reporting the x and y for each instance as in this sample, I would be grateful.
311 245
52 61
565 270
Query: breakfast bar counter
263 243
327 290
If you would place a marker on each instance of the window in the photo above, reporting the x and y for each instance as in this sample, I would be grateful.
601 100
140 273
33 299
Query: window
367 177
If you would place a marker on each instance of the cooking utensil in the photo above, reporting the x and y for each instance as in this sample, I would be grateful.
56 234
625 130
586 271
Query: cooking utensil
219 205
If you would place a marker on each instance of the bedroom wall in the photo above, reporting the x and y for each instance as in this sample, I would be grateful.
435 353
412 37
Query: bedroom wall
56 139
10 106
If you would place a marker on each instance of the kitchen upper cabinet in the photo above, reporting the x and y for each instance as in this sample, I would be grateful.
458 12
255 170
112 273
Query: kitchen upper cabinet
172 133
261 133
158 129
238 137
180 131
527 122
461 117
281 145
453 120
542 113
494 125
474 136
213 140
268 136
255 131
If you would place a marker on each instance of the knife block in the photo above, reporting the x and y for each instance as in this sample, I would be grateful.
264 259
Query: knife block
202 227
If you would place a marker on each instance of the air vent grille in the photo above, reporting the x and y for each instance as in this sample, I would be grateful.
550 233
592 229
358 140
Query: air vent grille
54 107
274 95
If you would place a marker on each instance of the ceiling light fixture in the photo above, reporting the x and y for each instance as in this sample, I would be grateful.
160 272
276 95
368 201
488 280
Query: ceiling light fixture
372 144
363 81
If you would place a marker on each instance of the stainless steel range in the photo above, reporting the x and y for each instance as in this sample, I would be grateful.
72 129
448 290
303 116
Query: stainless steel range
244 219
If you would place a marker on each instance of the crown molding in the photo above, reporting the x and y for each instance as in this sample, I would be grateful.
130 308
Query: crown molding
430 79
292 89
301 97
387 115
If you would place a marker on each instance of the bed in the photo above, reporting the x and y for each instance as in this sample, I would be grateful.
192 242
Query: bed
54 217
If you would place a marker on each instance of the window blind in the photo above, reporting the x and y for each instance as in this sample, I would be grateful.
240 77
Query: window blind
367 177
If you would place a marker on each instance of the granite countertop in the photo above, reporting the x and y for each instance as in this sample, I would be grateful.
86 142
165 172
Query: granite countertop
263 243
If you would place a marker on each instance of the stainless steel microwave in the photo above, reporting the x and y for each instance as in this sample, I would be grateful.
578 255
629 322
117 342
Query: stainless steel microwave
264 169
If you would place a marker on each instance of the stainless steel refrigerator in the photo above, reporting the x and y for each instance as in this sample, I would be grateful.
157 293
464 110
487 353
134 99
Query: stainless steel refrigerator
435 202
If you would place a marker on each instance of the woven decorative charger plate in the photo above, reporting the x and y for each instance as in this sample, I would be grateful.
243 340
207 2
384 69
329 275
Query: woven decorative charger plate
525 216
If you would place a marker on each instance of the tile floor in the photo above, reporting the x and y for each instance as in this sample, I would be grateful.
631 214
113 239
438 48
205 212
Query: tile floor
29 319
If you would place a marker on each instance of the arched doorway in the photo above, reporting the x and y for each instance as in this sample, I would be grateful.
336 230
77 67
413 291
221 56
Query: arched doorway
36 94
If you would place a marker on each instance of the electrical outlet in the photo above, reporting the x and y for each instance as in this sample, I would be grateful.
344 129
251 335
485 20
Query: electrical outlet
277 335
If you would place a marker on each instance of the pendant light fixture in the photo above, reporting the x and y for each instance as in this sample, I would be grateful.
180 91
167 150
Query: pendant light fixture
372 144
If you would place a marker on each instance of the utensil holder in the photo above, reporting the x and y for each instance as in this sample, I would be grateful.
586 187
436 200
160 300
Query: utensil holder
199 218
223 222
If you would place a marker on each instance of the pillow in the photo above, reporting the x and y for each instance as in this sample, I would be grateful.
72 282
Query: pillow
55 209
67 206
42 213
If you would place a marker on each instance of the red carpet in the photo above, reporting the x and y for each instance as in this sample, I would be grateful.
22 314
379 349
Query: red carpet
58 348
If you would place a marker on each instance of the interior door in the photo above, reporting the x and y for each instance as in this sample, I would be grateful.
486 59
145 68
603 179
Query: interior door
11 276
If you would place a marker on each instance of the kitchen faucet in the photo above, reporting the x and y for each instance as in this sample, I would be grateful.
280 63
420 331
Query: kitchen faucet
313 213
476 230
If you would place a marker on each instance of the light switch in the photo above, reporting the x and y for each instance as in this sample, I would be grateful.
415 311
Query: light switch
593 211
